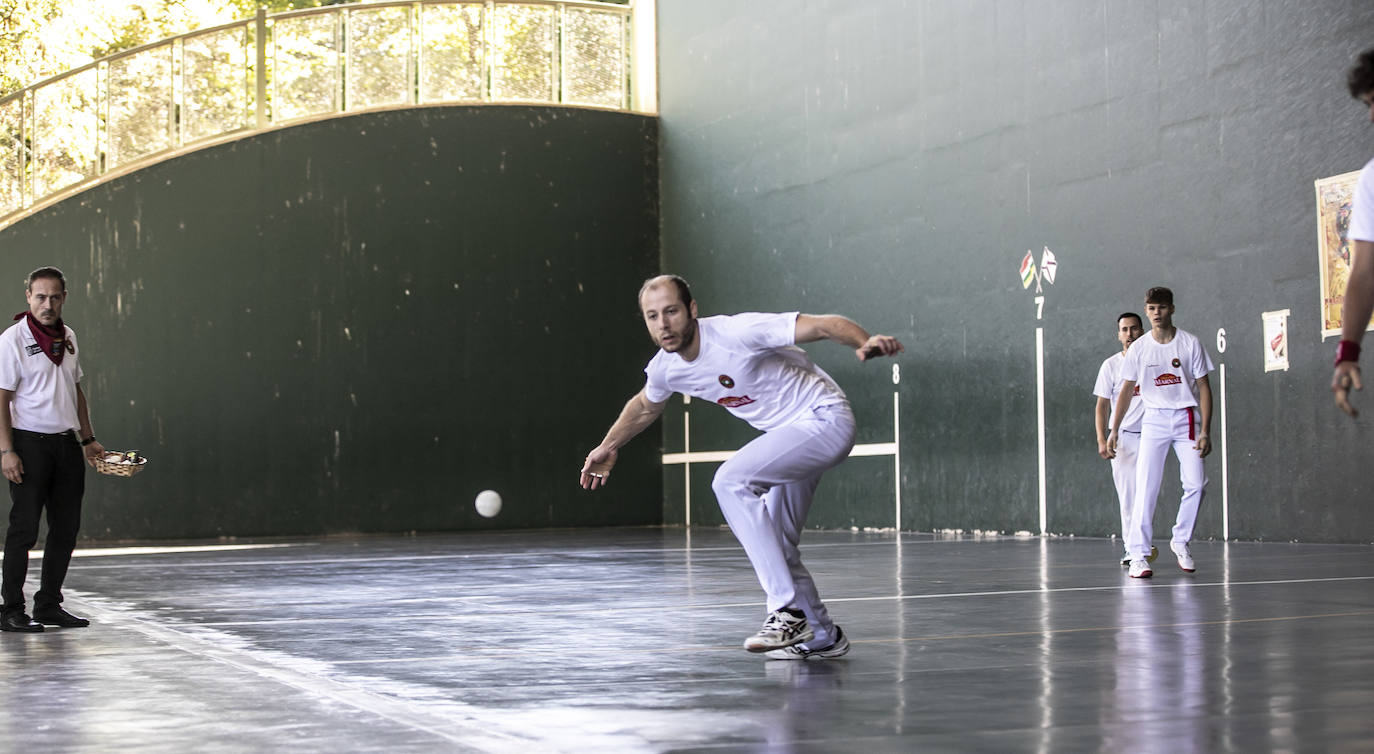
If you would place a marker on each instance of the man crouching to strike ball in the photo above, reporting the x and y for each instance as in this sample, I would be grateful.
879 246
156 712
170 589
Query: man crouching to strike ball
749 363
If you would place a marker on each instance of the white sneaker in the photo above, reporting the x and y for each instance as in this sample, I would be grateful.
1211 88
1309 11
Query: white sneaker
1126 556
1184 555
837 648
782 629
1140 569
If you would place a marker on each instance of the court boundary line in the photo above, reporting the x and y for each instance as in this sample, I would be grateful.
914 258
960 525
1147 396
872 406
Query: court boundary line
317 687
602 610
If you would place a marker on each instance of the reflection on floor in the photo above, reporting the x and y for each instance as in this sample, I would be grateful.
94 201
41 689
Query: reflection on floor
628 640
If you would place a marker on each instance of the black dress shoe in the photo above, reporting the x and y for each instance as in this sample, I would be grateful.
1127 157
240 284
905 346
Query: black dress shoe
56 616
19 622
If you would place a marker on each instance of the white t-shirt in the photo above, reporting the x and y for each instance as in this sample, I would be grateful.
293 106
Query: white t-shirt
1165 372
749 364
1109 386
44 393
1362 207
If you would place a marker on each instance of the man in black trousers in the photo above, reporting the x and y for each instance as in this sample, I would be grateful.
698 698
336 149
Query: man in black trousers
45 429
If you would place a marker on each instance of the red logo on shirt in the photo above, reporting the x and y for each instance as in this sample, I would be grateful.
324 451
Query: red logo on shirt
735 401
1168 379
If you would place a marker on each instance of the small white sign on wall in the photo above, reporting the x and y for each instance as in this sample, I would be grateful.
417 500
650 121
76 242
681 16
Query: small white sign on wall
1276 340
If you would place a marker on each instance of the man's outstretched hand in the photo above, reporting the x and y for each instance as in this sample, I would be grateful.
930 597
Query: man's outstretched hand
597 468
879 345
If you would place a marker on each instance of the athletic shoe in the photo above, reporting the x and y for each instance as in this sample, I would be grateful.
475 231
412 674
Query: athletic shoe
782 629
1140 569
1185 556
1126 556
838 648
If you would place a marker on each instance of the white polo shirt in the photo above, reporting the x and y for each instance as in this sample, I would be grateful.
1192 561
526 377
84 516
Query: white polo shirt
1362 207
44 393
749 364
1165 372
1109 386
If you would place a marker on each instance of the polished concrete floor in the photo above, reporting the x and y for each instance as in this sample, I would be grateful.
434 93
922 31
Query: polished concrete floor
628 640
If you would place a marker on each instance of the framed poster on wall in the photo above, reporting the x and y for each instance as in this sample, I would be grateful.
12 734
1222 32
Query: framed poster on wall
1334 196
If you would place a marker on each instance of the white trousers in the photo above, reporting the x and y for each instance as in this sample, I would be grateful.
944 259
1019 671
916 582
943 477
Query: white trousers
765 492
1161 429
1123 474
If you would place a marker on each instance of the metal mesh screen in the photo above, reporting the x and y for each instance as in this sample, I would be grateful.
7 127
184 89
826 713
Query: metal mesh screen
594 58
65 149
451 53
305 66
378 57
12 156
140 105
522 54
216 86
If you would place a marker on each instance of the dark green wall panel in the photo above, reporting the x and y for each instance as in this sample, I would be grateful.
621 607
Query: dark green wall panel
893 161
358 324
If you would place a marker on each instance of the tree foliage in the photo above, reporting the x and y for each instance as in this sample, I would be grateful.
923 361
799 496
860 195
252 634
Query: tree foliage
42 38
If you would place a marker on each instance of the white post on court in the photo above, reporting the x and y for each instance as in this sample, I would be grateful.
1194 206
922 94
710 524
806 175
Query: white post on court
896 450
1225 486
1040 411
686 463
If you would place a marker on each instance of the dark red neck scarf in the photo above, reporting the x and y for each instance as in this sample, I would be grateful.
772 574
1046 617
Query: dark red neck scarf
53 340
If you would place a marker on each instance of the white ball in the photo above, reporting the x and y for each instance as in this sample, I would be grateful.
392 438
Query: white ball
488 503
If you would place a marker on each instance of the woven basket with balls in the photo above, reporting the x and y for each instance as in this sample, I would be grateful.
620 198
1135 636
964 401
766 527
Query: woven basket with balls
117 463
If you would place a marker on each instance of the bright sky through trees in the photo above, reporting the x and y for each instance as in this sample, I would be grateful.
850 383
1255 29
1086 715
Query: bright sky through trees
42 38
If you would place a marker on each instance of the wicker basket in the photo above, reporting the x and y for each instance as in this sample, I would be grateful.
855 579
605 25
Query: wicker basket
119 469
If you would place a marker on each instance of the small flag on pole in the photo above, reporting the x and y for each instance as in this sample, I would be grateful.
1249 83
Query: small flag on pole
1048 266
1027 270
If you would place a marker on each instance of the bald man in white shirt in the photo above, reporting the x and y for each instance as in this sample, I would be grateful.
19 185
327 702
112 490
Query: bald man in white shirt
750 364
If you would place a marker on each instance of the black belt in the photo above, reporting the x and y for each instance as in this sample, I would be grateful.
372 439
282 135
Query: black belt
68 435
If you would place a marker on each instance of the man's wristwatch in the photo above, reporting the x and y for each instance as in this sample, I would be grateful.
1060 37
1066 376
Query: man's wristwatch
88 441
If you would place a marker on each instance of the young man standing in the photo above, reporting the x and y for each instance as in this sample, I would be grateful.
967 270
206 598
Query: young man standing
1359 287
45 429
749 363
1168 364
1128 328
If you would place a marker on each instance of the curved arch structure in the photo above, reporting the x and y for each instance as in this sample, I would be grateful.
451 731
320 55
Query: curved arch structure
130 110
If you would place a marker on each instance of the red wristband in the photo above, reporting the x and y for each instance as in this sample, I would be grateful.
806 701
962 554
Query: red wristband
1347 350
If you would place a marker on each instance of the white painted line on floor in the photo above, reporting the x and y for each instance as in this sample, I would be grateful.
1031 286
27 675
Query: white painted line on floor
102 552
525 555
469 615
452 721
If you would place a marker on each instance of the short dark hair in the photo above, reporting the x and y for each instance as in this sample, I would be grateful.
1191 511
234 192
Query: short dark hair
1159 295
1138 319
1360 77
45 272
684 291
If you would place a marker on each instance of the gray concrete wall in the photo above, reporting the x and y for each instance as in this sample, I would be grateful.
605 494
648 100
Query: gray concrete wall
358 324
895 160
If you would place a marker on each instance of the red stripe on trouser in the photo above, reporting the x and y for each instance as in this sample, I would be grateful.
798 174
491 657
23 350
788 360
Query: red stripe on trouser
1190 423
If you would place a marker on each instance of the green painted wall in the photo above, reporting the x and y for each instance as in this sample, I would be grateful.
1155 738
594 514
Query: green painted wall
358 324
894 161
